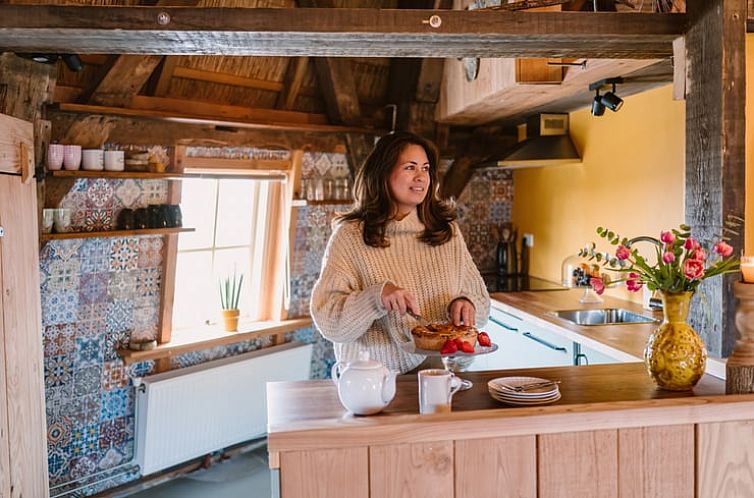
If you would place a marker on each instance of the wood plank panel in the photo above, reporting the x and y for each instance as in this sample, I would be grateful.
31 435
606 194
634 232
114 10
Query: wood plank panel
656 462
124 79
13 133
715 156
725 452
501 467
22 322
4 422
578 464
325 474
337 32
169 262
420 470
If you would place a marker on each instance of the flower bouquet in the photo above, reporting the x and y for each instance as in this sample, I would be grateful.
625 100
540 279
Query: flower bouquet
675 355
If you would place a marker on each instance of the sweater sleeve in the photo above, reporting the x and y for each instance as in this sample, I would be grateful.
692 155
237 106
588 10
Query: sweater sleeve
473 287
343 311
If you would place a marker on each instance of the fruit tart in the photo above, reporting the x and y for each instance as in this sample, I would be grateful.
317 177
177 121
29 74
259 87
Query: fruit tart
435 335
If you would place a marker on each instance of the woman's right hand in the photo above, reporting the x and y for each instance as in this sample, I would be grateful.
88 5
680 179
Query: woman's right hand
395 298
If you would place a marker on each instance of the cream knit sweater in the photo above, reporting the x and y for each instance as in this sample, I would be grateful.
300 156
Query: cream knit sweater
346 301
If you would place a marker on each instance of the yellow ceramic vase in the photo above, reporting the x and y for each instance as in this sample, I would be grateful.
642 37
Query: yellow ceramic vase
230 320
675 354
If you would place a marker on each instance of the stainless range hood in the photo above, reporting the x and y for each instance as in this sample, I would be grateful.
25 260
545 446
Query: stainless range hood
543 141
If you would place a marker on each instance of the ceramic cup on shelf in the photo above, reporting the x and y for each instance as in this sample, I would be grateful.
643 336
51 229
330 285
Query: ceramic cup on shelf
48 220
115 160
55 154
71 157
93 159
62 220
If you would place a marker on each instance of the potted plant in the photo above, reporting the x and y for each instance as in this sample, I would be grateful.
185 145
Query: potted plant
230 293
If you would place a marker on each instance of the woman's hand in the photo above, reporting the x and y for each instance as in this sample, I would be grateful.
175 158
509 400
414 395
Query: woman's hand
395 298
463 311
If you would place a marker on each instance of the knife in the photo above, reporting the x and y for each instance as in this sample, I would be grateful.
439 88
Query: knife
423 321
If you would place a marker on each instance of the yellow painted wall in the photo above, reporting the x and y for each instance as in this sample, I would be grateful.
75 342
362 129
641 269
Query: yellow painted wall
631 180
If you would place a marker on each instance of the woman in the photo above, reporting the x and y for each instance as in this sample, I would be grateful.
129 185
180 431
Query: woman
398 250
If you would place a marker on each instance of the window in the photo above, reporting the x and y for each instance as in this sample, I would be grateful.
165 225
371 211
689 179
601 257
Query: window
238 226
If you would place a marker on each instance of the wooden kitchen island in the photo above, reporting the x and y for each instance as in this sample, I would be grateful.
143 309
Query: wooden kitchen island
611 434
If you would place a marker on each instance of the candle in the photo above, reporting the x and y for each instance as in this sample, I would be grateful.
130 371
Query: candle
747 269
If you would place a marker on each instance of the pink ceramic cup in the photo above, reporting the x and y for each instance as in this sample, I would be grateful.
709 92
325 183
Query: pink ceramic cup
55 153
71 157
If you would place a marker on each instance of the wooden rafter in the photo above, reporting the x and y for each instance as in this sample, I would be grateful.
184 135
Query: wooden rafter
294 78
124 78
337 32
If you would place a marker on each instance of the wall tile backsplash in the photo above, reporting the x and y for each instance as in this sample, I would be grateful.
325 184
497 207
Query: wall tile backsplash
97 292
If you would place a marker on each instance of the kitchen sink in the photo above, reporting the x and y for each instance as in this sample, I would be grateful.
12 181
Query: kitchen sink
603 316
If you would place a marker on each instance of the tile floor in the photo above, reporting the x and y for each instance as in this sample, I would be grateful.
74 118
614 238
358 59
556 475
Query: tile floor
243 476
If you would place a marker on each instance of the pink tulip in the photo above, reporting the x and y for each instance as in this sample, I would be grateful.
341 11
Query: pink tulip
699 254
690 244
598 285
723 249
667 237
668 257
634 285
622 252
693 269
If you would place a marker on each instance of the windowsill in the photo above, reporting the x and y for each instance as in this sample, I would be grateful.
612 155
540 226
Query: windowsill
186 341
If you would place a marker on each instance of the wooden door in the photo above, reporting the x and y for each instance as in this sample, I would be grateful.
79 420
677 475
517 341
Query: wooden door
337 473
503 467
416 470
21 329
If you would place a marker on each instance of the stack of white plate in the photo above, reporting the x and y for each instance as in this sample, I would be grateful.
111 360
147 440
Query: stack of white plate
504 390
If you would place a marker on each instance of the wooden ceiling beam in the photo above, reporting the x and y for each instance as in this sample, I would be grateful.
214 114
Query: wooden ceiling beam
184 117
124 79
336 32
294 78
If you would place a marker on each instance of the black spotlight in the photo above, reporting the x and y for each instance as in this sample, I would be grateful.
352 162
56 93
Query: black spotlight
612 101
598 108
73 62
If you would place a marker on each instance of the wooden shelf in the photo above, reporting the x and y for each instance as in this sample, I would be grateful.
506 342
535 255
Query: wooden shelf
209 337
304 202
113 233
115 175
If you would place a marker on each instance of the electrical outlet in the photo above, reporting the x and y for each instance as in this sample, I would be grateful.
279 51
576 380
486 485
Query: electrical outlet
529 239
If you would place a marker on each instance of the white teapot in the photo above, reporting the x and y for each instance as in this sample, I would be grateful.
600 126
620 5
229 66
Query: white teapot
365 386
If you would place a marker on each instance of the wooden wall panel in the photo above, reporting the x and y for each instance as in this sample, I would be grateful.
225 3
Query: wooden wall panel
422 470
725 452
4 443
578 464
501 467
325 474
22 323
656 462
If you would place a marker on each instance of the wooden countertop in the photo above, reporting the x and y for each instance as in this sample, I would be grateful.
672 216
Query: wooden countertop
308 414
625 342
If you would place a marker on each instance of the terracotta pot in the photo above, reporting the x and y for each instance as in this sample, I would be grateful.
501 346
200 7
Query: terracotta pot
675 355
230 318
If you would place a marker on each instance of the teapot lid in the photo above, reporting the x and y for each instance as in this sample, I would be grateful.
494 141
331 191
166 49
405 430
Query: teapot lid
364 363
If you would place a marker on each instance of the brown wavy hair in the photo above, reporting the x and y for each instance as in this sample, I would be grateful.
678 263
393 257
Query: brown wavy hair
374 204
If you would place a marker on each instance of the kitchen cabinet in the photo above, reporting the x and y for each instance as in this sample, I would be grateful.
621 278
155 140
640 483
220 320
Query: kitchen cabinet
523 344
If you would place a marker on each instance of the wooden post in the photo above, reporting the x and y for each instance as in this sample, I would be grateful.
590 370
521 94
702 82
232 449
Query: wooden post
739 370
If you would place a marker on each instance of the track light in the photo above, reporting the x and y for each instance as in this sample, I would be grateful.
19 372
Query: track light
608 100
598 108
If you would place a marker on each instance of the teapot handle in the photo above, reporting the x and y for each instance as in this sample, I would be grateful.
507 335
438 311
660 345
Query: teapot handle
336 371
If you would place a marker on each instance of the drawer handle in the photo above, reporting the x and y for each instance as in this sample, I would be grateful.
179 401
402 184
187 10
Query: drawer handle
507 327
545 343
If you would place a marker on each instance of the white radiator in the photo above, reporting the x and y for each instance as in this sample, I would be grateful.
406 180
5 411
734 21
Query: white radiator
190 412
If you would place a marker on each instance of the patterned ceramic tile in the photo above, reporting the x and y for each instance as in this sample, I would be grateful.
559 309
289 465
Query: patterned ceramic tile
153 192
112 457
113 433
97 220
84 439
115 403
58 459
127 192
120 315
61 276
59 339
114 341
84 409
122 285
148 283
88 351
58 370
87 379
86 464
124 254
93 288
114 375
99 194
95 255
150 252
59 433
65 250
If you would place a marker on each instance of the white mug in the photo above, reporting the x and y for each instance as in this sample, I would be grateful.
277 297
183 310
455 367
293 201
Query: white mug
71 157
114 160
55 154
436 390
92 159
